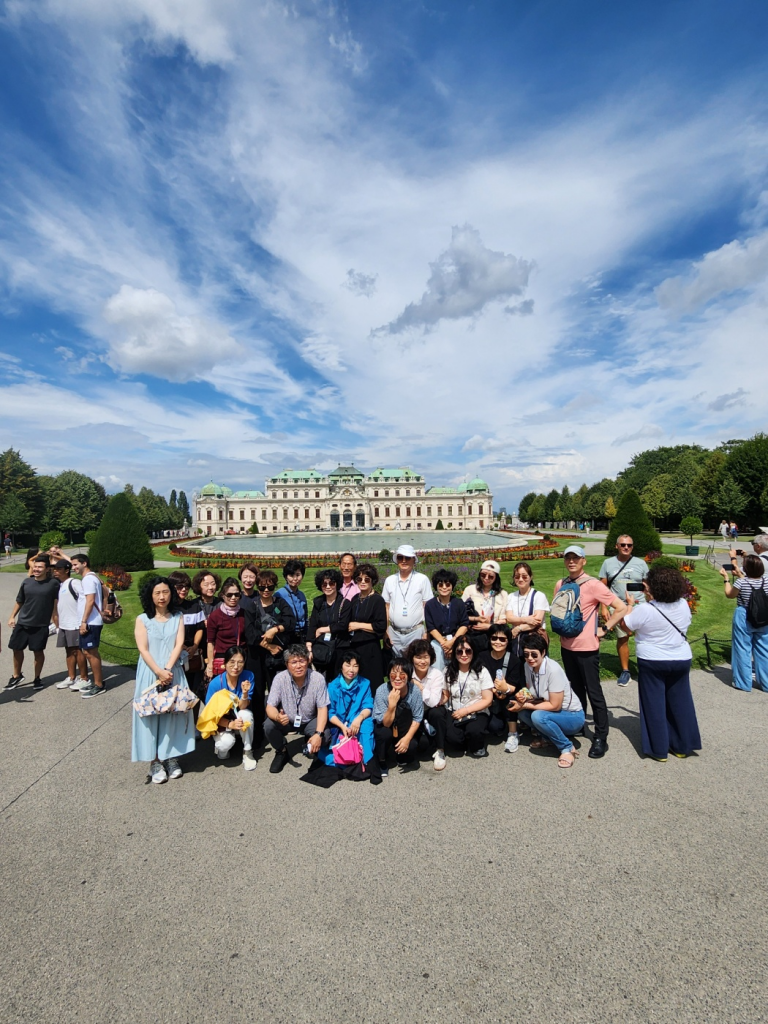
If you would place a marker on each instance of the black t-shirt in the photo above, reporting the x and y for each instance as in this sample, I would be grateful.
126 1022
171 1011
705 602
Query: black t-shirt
513 674
37 599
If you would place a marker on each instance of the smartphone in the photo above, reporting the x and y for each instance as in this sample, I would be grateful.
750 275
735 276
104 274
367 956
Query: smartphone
635 587
728 566
739 552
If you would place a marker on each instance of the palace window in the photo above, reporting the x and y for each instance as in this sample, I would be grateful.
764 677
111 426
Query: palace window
408 511
285 494
439 510
375 494
253 513
469 510
408 493
418 511
317 494
231 514
274 514
386 512
263 513
242 513
429 510
397 511
285 513
317 513
450 510
209 514
295 513
306 513
376 512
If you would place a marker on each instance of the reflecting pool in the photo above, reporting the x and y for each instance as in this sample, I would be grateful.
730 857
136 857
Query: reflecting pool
357 541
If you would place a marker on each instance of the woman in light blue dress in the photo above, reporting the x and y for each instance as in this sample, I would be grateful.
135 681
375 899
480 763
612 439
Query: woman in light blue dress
159 636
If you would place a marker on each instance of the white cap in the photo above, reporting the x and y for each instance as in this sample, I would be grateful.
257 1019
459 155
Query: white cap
407 550
490 564
575 549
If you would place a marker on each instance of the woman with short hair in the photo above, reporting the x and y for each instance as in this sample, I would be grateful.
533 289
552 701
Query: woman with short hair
225 626
667 715
247 577
368 625
504 670
205 584
328 629
194 629
431 681
222 719
749 642
294 571
445 616
398 711
350 708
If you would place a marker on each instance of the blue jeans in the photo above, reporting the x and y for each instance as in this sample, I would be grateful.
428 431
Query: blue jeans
748 643
556 726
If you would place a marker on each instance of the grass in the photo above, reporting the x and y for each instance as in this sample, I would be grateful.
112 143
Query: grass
713 615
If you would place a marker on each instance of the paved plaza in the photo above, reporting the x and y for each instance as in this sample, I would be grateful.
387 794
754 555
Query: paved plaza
499 890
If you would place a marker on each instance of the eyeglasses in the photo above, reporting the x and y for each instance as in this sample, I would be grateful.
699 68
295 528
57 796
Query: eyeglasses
233 593
626 545
266 587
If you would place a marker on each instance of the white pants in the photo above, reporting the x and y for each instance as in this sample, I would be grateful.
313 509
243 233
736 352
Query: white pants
401 641
224 741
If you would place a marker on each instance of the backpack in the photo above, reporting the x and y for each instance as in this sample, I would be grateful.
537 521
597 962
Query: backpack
111 609
565 610
757 609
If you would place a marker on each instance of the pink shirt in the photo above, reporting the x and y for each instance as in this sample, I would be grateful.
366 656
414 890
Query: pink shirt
593 594
349 590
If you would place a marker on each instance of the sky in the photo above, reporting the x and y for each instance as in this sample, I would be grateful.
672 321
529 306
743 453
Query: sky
521 240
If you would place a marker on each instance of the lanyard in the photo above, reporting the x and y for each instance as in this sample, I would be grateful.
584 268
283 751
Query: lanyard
462 688
537 684
400 587
298 693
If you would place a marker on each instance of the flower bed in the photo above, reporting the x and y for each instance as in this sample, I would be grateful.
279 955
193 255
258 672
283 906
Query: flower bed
116 577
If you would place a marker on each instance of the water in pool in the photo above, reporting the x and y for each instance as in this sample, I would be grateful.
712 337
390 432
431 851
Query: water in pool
358 541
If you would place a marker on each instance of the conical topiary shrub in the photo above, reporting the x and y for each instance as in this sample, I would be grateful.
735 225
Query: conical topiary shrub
120 539
632 518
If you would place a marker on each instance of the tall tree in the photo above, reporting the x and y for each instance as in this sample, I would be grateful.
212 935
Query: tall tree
578 502
77 498
565 503
631 518
549 504
655 496
172 499
730 500
183 507
14 514
18 478
708 482
525 503
121 538
747 463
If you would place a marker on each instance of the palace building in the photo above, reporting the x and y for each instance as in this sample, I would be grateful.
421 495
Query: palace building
346 499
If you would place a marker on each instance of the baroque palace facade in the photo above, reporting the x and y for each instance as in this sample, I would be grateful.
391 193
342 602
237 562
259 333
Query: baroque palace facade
346 499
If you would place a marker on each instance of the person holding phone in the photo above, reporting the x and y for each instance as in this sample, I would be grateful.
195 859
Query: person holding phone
617 573
749 639
547 703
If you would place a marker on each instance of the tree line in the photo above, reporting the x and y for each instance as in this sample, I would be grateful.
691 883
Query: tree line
72 503
674 483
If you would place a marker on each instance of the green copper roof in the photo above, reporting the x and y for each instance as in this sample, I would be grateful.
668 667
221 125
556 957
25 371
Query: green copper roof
296 476
213 490
477 485
403 473
248 494
346 471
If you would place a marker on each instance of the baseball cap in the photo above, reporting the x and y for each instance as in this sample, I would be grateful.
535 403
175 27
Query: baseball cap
493 566
62 564
575 549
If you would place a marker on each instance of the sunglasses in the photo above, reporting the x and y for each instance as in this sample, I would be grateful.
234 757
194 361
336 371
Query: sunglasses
233 593
626 545
266 587
362 579
499 639
463 650
490 574
327 585
182 586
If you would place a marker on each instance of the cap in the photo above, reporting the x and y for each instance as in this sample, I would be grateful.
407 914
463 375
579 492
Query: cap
62 564
490 564
407 550
575 549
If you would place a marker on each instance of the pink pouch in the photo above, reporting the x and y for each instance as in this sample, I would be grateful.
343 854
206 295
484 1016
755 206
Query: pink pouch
348 751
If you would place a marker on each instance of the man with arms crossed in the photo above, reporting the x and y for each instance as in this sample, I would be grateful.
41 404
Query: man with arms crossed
616 573
405 594
89 605
33 612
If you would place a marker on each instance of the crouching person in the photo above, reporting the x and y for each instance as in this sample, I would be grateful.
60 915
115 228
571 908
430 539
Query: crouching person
297 703
227 708
398 710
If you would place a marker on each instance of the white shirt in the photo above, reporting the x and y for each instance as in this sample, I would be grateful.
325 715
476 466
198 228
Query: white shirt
69 616
90 584
432 686
551 679
656 639
467 689
406 599
519 605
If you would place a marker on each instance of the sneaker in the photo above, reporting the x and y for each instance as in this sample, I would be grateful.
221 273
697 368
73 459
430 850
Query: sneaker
249 761
37 683
482 752
439 760
513 742
13 682
80 684
174 769
92 691
157 772
624 679
384 770
65 684
279 762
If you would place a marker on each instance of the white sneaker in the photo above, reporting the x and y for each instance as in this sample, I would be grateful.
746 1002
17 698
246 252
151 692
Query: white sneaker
249 761
157 772
174 769
439 760
512 743
80 684
66 684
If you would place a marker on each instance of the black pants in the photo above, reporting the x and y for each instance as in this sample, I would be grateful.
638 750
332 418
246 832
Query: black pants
468 734
583 671
385 742
277 734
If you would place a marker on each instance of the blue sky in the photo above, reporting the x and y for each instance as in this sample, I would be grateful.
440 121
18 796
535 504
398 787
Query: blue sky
520 240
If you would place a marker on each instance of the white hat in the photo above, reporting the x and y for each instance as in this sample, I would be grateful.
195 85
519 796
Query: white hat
575 549
407 550
490 564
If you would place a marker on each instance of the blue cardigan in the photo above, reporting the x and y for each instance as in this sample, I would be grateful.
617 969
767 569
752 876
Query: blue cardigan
347 701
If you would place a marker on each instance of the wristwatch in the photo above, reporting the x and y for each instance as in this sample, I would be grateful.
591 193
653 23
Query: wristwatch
317 734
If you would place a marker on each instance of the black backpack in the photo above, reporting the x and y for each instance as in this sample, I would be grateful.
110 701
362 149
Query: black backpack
757 609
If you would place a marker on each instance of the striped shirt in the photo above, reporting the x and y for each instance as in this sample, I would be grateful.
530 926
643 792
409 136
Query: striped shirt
745 585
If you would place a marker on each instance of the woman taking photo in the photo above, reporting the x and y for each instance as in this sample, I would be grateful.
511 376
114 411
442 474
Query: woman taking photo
463 720
225 627
486 603
368 625
445 616
328 630
667 715
225 716
749 641
351 708
553 709
159 634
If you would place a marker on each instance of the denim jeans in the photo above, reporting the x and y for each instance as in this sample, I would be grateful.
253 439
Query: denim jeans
556 726
748 643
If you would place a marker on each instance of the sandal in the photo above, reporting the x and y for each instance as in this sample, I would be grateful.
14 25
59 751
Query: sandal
566 759
539 744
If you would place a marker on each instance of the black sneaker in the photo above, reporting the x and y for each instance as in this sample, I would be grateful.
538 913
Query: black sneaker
13 682
37 683
279 761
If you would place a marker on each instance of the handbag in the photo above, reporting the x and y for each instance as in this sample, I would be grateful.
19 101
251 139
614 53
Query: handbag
176 699
348 751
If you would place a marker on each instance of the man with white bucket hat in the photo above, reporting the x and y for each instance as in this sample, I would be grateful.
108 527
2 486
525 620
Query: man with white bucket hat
405 594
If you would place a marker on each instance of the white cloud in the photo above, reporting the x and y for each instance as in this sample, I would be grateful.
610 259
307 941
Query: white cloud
149 336
733 266
648 432
360 284
465 278
727 401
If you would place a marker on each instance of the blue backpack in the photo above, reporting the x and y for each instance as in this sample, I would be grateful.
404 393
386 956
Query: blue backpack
565 610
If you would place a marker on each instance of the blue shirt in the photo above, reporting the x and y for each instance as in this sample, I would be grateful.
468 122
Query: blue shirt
297 602
220 683
412 698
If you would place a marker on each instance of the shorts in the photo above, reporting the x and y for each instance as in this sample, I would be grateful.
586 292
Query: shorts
90 641
68 638
620 633
33 637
